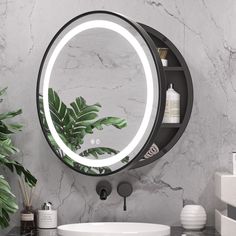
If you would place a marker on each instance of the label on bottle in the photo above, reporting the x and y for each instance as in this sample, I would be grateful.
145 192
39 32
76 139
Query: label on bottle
27 217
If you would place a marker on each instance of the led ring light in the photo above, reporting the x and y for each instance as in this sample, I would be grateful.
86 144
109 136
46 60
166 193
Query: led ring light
150 94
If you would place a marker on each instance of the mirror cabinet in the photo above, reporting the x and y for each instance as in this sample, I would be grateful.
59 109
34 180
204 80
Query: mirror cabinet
101 93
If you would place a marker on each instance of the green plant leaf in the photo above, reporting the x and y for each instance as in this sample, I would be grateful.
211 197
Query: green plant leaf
14 127
4 129
11 114
42 115
82 114
2 92
73 123
103 170
69 161
125 160
118 123
58 110
7 148
80 104
7 199
20 170
8 203
93 170
97 151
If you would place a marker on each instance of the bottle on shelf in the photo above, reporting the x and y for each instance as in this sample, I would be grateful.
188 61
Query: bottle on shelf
163 55
172 109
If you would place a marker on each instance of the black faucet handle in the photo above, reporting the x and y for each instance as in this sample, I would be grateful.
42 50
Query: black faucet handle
125 206
124 189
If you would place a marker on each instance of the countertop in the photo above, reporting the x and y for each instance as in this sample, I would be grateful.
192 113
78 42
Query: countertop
175 231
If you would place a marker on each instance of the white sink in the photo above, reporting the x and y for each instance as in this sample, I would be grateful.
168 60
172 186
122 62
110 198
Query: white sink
114 228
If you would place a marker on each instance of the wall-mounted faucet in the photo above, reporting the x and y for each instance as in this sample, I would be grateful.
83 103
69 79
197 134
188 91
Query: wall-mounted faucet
124 189
103 189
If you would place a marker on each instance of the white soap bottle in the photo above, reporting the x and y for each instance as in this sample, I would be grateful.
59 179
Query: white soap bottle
172 109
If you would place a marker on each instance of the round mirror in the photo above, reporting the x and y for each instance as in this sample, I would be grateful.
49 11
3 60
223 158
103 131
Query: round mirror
100 93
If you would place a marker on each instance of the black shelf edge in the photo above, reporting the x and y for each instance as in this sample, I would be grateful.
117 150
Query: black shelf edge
170 125
173 68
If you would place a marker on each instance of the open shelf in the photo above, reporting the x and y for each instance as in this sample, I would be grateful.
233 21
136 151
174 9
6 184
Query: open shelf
178 74
170 125
173 68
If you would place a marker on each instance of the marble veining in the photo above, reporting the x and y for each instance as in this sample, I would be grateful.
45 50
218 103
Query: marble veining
204 32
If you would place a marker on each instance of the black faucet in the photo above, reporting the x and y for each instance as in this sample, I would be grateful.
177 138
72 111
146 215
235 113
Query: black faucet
103 189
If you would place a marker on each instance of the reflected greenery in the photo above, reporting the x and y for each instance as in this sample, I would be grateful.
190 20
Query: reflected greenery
73 123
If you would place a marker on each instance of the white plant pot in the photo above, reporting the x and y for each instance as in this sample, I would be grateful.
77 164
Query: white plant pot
193 217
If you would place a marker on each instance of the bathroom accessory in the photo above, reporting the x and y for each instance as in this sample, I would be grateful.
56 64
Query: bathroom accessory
152 151
124 189
27 219
164 62
103 189
27 214
193 217
47 217
78 104
163 54
116 229
172 110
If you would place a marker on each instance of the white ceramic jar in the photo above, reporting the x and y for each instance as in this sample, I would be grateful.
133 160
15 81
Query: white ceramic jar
47 218
193 217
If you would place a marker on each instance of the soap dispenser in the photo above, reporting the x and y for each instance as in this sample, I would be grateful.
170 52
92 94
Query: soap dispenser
47 217
172 110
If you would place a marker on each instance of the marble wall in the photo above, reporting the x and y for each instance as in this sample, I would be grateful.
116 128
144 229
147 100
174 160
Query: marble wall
204 32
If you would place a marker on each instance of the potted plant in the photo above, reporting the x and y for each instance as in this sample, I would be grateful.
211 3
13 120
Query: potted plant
8 203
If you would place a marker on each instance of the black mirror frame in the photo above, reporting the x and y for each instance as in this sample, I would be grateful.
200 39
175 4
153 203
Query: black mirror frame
162 89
